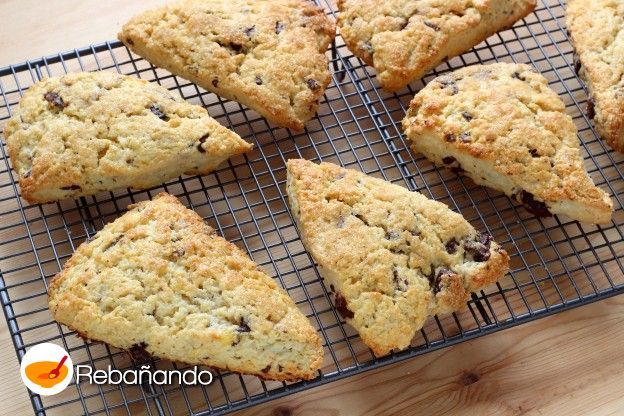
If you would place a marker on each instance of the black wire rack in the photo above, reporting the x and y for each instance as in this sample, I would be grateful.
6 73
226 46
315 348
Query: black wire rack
556 264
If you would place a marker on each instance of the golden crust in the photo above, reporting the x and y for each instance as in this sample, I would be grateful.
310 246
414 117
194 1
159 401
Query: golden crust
266 54
403 40
393 256
505 128
595 28
83 133
160 278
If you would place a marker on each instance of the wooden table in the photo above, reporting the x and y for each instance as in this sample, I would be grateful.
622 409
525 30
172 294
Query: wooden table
568 364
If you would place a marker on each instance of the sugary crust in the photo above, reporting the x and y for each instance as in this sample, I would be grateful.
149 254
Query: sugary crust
159 278
403 40
505 128
266 54
89 132
595 28
392 256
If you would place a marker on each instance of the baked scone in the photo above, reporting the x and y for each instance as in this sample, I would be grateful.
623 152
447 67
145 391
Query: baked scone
596 31
505 128
405 39
159 279
89 132
393 257
266 54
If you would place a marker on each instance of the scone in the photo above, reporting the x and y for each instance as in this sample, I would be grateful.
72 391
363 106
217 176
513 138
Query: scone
393 257
89 132
266 54
596 31
505 128
405 39
159 279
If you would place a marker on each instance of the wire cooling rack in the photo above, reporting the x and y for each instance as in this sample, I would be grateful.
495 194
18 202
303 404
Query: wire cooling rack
556 263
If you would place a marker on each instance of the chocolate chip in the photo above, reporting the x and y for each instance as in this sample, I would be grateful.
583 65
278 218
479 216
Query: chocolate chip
258 80
202 140
279 27
155 109
451 246
450 137
215 83
480 252
485 239
537 208
332 288
398 283
250 31
517 75
27 173
71 188
55 99
404 24
534 153
449 160
313 84
432 25
391 235
179 252
342 308
465 137
138 353
457 169
129 41
242 326
591 109
266 369
449 83
576 60
236 47
340 223
434 280
467 116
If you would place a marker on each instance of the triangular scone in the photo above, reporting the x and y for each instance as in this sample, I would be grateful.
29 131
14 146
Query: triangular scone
405 39
596 30
505 128
266 54
85 133
159 279
393 257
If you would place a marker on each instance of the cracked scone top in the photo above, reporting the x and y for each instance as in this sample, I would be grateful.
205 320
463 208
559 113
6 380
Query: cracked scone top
393 257
159 279
83 133
595 28
405 39
266 54
505 128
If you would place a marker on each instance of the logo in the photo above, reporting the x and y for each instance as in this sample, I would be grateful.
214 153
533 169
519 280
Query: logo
46 369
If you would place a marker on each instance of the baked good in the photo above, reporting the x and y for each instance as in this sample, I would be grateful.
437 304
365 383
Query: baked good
393 257
503 127
405 39
159 279
266 54
595 28
89 132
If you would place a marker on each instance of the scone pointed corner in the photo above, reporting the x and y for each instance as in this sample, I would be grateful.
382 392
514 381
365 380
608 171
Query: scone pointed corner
392 257
284 82
160 278
502 126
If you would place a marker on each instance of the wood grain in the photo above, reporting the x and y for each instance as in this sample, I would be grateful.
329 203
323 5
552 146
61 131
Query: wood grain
568 364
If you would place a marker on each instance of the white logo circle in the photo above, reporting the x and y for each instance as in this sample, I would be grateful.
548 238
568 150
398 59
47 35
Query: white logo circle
46 369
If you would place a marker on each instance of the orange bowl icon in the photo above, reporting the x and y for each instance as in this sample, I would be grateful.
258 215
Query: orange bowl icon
47 374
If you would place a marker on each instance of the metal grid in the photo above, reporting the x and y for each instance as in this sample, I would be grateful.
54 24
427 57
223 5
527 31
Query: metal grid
556 264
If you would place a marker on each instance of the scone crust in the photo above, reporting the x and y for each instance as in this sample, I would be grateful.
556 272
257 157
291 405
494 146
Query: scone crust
595 28
266 54
83 133
403 40
392 256
160 278
513 134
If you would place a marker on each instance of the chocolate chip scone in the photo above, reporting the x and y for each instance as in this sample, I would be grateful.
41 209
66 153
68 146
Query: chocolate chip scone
505 128
266 54
595 28
393 257
405 39
89 132
160 280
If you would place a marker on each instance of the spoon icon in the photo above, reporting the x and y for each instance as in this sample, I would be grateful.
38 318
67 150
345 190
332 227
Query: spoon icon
55 372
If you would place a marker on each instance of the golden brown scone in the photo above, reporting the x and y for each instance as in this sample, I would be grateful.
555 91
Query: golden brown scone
393 257
266 54
83 133
505 128
595 28
405 39
159 279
